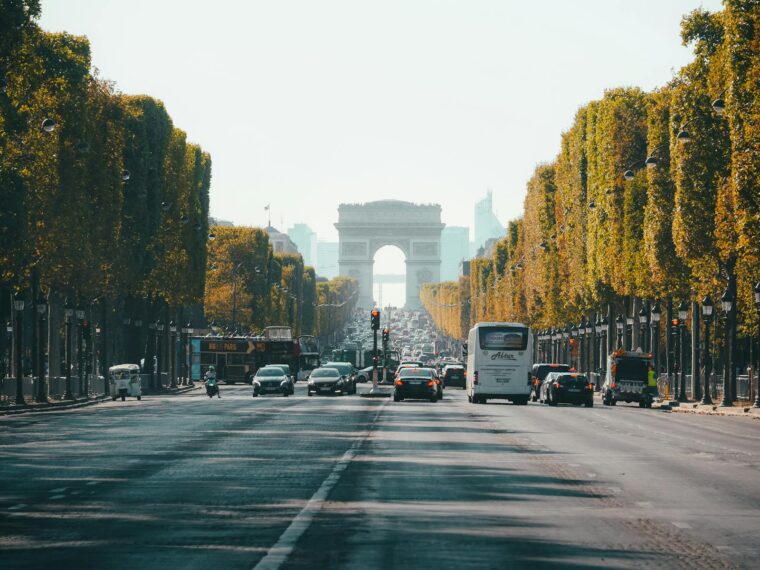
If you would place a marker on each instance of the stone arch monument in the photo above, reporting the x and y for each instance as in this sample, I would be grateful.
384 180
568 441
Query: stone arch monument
414 228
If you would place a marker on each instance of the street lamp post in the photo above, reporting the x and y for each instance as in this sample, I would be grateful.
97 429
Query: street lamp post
655 322
173 353
566 344
80 349
18 305
590 345
683 312
150 356
756 291
727 303
68 313
159 338
643 314
707 314
603 346
41 389
9 338
187 331
619 326
572 345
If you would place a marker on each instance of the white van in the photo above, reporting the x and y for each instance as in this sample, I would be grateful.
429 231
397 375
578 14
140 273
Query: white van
499 361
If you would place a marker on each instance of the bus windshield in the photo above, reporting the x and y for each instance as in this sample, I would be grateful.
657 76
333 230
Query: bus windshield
503 338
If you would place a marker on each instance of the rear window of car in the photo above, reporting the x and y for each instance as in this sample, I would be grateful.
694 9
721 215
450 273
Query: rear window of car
503 338
270 372
454 371
325 373
572 378
418 372
343 368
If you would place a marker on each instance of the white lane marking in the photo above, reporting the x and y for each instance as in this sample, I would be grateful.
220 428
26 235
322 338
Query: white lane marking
644 504
615 490
58 490
591 475
279 553
56 497
681 524
17 507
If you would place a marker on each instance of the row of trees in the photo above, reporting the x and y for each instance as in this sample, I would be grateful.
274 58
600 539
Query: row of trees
104 201
249 287
599 229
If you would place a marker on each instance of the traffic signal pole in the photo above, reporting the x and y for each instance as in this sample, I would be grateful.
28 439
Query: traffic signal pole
375 325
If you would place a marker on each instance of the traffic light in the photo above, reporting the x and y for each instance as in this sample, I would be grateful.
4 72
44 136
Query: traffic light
375 319
386 335
464 350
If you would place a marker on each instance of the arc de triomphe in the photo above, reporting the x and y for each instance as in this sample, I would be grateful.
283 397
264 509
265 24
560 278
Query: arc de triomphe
413 228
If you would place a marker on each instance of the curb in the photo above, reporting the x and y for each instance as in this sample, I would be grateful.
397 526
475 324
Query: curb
54 406
81 403
717 410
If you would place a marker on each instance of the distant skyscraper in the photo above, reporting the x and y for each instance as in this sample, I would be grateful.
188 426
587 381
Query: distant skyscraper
327 259
306 242
455 248
487 225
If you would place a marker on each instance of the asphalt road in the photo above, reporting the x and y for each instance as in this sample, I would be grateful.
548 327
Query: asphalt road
346 482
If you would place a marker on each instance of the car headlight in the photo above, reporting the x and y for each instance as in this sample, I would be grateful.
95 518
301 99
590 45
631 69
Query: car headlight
283 383
311 381
256 383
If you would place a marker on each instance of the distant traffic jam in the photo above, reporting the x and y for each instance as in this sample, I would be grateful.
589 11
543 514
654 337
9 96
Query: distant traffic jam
403 351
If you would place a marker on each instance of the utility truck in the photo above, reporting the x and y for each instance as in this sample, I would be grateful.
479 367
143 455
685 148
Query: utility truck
629 378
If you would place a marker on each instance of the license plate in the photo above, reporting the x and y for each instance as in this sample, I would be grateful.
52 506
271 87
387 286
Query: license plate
502 380
574 390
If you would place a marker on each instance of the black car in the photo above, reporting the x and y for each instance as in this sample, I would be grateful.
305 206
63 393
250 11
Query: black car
327 380
567 387
455 375
346 370
419 383
539 372
272 380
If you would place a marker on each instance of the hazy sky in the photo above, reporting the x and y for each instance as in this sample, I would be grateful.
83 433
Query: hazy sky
306 104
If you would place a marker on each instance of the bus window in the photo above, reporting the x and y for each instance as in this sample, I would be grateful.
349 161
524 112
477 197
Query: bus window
503 338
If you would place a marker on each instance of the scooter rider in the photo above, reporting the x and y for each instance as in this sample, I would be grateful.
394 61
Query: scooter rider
211 376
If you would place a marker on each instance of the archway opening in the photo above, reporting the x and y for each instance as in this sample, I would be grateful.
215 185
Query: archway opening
389 277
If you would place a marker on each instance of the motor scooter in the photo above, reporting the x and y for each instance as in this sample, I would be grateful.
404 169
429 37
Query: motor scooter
212 388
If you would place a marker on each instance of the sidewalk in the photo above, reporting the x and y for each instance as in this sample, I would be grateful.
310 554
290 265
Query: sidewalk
746 411
61 405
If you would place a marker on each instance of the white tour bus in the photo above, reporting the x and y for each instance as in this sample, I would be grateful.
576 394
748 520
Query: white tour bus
499 361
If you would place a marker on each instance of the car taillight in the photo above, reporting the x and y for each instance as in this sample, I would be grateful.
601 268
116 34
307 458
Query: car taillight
465 373
590 386
437 381
535 381
556 384
475 378
399 382
613 385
